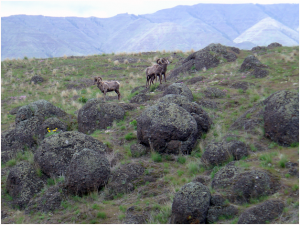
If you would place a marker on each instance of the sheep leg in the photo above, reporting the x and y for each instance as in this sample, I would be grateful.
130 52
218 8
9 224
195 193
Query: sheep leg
119 94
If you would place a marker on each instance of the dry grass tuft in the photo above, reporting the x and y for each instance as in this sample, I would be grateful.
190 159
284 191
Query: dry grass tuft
116 62
126 61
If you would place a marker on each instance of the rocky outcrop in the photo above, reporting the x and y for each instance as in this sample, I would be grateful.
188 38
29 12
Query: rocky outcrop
256 68
88 171
167 128
22 183
138 150
262 213
55 152
140 98
96 114
274 45
281 117
207 58
190 204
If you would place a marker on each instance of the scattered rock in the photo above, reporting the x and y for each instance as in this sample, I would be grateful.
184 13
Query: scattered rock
167 128
134 215
281 117
138 150
88 171
202 179
22 183
36 79
208 104
212 92
14 111
225 177
190 204
215 212
96 114
241 85
179 89
236 50
55 152
262 213
194 80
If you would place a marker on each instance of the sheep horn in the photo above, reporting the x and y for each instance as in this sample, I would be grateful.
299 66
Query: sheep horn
158 61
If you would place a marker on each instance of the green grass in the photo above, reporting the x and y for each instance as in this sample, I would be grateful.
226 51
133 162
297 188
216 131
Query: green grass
130 136
181 159
101 215
193 168
156 157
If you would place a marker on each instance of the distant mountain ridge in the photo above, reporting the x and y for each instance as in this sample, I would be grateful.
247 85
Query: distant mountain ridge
178 28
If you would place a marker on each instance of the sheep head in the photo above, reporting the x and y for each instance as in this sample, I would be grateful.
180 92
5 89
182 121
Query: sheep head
165 61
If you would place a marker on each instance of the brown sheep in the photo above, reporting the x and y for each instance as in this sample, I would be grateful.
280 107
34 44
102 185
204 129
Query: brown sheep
107 86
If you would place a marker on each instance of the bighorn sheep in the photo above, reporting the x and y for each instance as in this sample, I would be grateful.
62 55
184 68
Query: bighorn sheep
107 86
151 73
163 63
157 70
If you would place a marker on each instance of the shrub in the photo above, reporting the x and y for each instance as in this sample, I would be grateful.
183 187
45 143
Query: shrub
134 124
130 136
50 181
282 161
101 215
11 162
193 168
95 206
82 99
181 159
295 144
156 157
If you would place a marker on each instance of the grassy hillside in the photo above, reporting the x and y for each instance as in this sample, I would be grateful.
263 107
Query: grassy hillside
68 84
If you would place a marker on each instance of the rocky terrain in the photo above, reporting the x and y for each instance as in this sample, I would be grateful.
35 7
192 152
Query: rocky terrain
217 143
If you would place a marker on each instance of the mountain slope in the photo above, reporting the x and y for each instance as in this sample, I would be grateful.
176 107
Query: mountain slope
178 28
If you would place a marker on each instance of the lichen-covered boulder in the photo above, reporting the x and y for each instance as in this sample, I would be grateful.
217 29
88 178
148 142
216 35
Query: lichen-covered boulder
47 201
52 124
55 152
179 89
262 213
40 108
251 63
217 153
203 120
253 184
281 117
167 128
22 183
190 204
96 114
225 177
212 92
87 172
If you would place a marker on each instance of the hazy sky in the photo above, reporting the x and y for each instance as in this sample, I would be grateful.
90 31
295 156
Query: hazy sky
106 8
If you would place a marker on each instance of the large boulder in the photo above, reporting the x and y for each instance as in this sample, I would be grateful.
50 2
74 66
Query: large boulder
262 213
47 201
96 114
167 128
87 172
190 204
205 58
179 89
253 184
281 117
251 63
55 152
217 153
22 183
203 120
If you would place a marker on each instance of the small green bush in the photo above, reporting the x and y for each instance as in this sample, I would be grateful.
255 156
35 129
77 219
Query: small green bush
95 206
50 181
193 168
130 136
181 159
156 157
282 161
101 215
